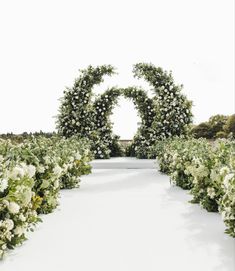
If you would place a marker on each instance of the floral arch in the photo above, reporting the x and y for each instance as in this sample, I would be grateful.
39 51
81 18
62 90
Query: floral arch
83 114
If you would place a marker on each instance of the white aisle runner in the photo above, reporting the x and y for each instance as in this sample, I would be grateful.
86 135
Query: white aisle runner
126 217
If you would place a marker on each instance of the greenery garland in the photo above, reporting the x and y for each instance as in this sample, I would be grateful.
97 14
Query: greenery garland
75 116
167 114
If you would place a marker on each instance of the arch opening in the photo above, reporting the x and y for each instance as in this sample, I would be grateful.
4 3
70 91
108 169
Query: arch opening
125 119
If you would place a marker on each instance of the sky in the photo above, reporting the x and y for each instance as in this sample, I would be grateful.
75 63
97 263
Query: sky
44 44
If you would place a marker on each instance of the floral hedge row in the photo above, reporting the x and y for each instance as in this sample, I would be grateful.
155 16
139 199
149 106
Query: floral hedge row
206 169
31 176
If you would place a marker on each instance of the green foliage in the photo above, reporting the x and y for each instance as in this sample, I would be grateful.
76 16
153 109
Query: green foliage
202 130
19 138
218 126
75 117
221 134
172 109
207 170
31 175
167 114
217 123
230 125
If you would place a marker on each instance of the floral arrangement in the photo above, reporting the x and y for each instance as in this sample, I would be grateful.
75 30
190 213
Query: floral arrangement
31 175
165 115
206 169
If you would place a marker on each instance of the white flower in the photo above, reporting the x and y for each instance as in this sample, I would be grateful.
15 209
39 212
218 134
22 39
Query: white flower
57 170
5 202
9 224
56 183
211 192
19 230
3 184
22 217
13 208
41 169
16 173
78 156
31 170
224 170
227 178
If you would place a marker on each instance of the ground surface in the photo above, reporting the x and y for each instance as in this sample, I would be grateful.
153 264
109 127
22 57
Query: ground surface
126 220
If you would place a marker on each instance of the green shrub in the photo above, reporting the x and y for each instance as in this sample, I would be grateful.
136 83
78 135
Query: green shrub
203 130
206 169
31 175
230 125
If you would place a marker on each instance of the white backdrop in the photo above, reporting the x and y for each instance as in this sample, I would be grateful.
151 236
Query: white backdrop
44 43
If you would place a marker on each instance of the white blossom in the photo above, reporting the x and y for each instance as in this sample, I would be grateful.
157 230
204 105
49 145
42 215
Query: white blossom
9 224
57 170
13 207
3 184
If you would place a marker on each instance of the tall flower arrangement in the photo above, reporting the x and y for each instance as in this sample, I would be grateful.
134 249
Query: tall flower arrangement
102 109
75 112
145 108
173 109
167 114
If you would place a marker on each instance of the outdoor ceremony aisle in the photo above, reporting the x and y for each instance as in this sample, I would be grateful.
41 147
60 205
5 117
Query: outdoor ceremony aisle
126 217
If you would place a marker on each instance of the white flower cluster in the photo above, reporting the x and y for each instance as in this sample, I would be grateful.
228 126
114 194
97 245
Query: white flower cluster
21 170
30 182
3 185
227 201
207 170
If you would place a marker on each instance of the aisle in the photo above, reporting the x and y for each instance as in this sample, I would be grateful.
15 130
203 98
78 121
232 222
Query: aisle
126 220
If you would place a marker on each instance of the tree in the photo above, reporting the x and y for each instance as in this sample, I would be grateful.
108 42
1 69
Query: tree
202 130
229 127
217 123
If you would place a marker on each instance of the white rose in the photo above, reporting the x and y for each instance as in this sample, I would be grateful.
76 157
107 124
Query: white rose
13 208
57 170
9 224
5 202
31 170
22 217
19 230
3 184
17 172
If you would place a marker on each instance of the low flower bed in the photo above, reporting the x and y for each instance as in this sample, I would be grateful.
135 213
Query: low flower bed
206 169
31 176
